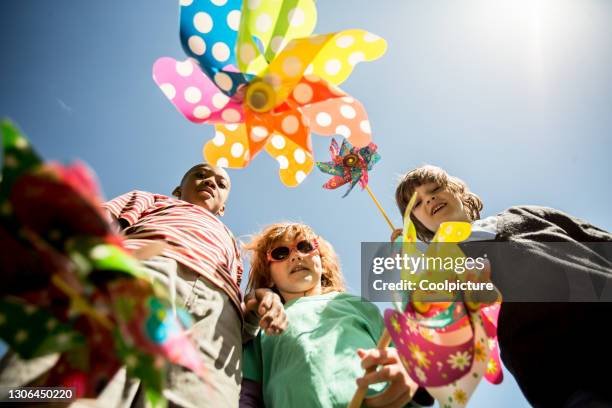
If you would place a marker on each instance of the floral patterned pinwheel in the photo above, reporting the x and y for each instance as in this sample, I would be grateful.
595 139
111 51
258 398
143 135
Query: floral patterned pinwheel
349 165
446 347
70 287
256 72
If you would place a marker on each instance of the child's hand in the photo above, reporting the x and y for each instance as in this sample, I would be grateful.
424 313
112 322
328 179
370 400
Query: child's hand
401 388
270 310
396 234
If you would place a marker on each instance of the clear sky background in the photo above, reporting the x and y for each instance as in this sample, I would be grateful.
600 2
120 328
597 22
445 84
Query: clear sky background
512 96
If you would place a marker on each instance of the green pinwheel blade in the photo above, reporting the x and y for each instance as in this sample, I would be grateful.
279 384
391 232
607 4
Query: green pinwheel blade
330 168
33 332
94 254
18 157
267 26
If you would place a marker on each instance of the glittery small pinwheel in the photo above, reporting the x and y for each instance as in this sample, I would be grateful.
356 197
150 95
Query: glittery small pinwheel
265 81
70 287
349 165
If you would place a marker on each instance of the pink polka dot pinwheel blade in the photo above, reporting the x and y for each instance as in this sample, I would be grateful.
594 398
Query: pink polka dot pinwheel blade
193 93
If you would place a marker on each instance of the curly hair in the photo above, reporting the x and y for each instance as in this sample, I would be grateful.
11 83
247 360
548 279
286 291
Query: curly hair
433 174
259 275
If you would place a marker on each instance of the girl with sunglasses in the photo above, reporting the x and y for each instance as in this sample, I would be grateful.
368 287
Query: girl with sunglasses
314 363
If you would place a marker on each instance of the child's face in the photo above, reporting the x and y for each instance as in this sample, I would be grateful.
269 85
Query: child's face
435 205
299 274
206 186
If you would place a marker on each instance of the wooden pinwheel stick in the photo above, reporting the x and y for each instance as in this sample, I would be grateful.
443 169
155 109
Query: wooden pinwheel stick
383 342
382 211
385 338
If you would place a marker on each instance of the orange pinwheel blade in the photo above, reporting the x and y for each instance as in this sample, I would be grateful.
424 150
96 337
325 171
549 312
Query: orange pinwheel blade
344 116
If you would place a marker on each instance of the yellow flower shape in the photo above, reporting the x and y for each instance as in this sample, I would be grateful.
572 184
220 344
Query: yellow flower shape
419 355
460 396
459 360
492 366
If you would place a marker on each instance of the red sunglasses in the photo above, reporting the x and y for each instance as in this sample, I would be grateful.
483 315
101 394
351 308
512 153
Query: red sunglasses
304 248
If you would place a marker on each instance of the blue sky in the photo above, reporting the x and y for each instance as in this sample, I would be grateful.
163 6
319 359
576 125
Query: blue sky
512 96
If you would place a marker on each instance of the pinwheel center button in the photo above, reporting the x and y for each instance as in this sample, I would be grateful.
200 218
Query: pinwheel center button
350 160
260 97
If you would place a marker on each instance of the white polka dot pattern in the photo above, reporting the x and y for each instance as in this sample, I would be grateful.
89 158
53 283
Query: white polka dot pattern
221 34
336 60
342 116
230 145
273 26
329 56
209 31
194 94
293 161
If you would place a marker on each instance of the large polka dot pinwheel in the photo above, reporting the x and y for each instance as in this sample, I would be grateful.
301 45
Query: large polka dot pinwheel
256 72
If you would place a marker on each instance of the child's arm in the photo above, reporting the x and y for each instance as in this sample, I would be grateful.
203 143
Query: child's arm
250 394
543 224
116 224
266 307
128 208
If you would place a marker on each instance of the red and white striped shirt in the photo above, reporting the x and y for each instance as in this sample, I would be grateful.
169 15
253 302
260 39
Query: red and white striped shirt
197 239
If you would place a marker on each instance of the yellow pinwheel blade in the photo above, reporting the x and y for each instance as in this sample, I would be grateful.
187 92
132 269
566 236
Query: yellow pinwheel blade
409 240
287 69
443 247
294 162
229 147
409 233
330 56
336 61
453 232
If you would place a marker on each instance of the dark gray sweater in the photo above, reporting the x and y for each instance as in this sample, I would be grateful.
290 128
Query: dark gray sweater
555 348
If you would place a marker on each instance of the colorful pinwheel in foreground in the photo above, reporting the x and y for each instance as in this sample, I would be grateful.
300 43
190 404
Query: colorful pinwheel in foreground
349 165
69 286
257 73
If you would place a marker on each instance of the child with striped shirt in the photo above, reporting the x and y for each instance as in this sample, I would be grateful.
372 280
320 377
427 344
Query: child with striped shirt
200 263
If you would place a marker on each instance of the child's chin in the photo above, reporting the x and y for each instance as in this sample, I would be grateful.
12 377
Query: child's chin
205 205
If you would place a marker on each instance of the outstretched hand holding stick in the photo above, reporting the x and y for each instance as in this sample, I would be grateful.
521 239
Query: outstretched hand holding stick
385 338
